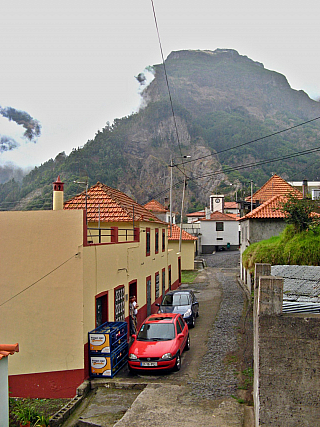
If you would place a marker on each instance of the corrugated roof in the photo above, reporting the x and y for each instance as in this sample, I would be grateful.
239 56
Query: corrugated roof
155 206
273 187
219 216
110 205
176 234
7 349
301 282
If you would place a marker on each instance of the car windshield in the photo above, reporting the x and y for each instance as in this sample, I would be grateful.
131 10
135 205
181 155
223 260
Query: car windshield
156 332
176 299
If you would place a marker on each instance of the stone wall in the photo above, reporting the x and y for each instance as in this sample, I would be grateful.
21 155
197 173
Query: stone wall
287 361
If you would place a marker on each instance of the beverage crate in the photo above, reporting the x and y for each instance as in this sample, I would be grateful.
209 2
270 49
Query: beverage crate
102 365
107 337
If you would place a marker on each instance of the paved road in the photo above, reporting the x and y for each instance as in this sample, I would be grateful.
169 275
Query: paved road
201 392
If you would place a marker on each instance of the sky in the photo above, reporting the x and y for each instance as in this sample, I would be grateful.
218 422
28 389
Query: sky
71 65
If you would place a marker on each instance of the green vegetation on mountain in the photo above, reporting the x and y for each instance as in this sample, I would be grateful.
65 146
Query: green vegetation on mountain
221 101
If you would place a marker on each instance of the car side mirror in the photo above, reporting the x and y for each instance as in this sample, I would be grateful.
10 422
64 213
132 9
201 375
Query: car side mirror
134 336
180 335
157 304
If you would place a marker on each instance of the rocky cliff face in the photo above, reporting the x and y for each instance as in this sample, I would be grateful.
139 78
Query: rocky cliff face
221 101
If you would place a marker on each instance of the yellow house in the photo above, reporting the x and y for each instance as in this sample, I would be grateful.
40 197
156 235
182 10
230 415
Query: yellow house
188 242
188 246
66 271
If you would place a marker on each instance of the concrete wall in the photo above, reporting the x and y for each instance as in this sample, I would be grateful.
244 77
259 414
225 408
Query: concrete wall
286 355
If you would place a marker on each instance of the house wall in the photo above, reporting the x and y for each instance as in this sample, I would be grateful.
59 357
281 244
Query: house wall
42 300
255 230
188 248
210 239
108 266
286 353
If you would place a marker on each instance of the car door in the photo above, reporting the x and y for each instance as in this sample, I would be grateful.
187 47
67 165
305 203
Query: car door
182 328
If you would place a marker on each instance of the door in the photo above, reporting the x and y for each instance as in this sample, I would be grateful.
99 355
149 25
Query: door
101 310
148 296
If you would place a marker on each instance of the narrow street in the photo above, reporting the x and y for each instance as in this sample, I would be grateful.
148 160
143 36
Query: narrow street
204 391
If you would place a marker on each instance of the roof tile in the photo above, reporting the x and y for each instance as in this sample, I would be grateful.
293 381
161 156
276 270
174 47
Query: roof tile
109 205
273 187
176 234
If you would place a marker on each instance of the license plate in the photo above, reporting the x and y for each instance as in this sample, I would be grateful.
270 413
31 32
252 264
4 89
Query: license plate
149 364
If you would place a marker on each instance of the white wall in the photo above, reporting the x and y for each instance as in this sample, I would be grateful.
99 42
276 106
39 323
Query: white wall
210 236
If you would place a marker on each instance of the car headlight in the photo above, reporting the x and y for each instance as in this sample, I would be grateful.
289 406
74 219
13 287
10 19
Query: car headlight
132 356
188 313
167 356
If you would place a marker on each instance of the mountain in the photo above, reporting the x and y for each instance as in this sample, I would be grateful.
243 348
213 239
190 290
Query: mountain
220 102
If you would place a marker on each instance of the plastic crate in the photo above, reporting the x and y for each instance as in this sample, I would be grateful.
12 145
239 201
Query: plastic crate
107 337
102 365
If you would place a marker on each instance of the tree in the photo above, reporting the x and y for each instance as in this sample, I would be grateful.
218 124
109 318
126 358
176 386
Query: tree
300 212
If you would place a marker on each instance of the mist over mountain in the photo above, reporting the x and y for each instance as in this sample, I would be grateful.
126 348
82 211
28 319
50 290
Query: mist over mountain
221 100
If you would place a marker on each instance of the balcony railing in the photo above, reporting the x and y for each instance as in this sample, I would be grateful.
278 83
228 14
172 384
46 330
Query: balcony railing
99 235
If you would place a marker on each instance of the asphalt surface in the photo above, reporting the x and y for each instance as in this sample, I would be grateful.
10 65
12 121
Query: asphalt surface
203 392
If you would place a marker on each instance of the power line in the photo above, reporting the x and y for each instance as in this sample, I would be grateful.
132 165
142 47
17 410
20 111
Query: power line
250 142
37 281
167 80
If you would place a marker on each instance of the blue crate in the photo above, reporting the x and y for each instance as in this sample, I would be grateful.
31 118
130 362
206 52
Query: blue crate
103 365
107 337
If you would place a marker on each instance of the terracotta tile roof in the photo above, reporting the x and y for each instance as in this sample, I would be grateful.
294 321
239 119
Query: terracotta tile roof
155 206
114 206
176 234
230 205
219 216
275 186
196 214
7 349
268 210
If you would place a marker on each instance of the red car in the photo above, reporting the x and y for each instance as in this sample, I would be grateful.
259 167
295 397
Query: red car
159 343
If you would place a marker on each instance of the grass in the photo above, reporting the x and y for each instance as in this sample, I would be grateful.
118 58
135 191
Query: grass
188 276
289 248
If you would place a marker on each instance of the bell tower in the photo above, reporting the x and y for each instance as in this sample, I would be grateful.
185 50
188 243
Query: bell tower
58 195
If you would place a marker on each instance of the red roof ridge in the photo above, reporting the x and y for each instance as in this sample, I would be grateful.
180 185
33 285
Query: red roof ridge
276 186
7 349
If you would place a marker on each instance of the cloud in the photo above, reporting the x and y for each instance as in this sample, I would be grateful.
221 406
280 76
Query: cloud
32 126
7 143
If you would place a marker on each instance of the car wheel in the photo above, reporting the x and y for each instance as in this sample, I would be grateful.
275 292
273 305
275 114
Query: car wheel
187 347
177 366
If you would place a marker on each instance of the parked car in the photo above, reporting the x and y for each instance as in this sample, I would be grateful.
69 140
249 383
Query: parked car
183 302
159 343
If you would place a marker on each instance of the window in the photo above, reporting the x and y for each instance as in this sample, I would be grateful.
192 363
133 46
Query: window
156 247
219 226
181 322
163 239
147 241
157 285
119 297
179 330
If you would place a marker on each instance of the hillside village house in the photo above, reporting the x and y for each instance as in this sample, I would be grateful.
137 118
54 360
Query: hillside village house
266 220
219 231
66 271
188 242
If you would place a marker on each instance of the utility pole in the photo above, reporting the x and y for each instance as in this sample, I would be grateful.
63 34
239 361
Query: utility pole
251 195
182 206
171 167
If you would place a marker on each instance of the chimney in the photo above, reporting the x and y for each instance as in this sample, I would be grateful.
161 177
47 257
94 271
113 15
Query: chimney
207 213
304 188
58 195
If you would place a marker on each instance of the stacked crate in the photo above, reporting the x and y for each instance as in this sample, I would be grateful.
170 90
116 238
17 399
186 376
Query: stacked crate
108 349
